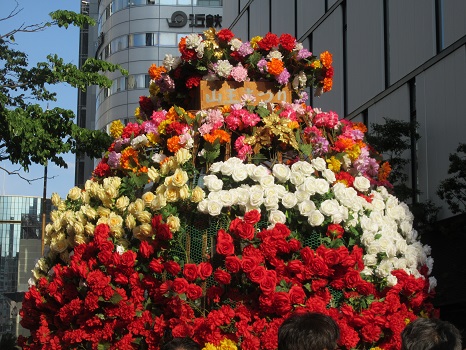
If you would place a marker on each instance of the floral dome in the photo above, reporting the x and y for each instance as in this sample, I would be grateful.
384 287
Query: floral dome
217 224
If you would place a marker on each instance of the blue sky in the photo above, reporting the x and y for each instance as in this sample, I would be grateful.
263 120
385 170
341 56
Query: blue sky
64 43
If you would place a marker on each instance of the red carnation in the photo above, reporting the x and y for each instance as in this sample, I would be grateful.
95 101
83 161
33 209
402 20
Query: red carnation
193 81
225 35
102 169
287 41
268 42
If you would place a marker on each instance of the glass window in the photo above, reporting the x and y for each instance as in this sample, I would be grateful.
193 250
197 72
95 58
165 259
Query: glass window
184 2
121 84
167 2
167 39
137 40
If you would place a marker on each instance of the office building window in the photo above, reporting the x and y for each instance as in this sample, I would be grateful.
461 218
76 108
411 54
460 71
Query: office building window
167 39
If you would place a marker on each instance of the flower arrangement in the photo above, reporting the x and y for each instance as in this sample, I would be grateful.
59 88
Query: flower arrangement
221 56
217 225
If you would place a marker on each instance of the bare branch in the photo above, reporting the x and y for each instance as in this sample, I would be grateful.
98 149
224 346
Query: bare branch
29 181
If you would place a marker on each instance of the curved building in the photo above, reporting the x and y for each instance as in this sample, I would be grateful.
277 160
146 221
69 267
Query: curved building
133 34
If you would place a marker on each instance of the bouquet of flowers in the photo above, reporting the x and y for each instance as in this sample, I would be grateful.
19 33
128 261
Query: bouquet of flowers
220 223
222 56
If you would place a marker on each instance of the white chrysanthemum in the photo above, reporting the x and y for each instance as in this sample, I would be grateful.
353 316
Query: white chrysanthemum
171 62
235 44
274 54
223 68
193 40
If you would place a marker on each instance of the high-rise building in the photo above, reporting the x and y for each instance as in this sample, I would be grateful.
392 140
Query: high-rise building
20 246
133 34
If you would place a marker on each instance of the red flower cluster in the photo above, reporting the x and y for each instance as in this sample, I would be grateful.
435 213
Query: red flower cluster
132 299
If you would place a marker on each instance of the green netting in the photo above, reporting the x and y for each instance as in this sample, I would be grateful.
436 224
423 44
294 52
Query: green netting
311 239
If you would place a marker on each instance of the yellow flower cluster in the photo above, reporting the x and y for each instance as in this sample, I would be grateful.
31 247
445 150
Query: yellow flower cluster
225 344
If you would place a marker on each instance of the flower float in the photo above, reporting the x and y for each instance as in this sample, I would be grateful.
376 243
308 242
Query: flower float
217 224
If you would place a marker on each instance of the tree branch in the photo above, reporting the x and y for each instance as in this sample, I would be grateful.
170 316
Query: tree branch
29 181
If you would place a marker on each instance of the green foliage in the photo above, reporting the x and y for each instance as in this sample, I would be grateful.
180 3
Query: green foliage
29 133
453 189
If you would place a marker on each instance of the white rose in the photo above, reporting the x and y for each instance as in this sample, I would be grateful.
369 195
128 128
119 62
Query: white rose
289 200
213 183
267 181
308 185
296 178
361 183
370 259
329 175
306 207
341 215
202 206
319 164
391 281
315 218
384 269
227 198
302 167
239 173
250 168
214 208
259 172
301 195
271 202
226 168
378 204
281 172
329 207
277 216
321 186
256 198
215 167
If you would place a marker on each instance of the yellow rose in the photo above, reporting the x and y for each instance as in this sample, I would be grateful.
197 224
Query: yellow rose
179 178
56 199
122 203
74 194
86 197
183 192
130 221
153 174
103 212
143 216
142 231
80 239
197 195
90 212
182 156
159 202
160 190
174 223
62 206
59 245
78 228
171 194
89 229
54 215
165 168
148 197
114 221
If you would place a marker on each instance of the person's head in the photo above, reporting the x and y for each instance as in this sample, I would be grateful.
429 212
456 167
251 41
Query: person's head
430 334
308 331
181 344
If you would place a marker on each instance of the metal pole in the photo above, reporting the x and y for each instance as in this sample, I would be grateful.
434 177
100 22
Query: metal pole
43 209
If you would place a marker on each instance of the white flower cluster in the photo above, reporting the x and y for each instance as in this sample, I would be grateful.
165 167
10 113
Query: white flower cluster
384 223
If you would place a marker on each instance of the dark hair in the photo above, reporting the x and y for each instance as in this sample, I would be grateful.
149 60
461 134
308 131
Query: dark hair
181 344
308 331
430 334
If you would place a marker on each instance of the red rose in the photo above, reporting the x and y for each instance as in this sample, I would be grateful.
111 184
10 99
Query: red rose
214 293
172 267
248 264
281 303
244 230
165 287
335 231
252 217
295 266
204 270
224 243
287 41
128 258
225 35
330 256
282 245
352 279
105 255
280 230
307 254
233 263
365 288
268 283
318 266
156 265
145 103
297 295
180 285
257 274
163 232
145 249
222 276
190 272
194 291
319 283
101 233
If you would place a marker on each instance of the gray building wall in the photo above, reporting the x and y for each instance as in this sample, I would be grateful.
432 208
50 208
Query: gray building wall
396 59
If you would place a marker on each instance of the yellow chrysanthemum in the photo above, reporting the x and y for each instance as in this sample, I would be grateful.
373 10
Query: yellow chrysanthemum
163 124
209 346
153 138
316 64
293 124
137 113
116 129
254 41
354 152
376 348
227 344
334 164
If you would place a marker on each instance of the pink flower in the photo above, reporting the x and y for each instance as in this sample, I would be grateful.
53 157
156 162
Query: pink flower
239 73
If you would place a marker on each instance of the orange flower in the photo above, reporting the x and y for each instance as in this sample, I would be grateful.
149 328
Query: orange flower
173 144
384 171
275 66
156 72
328 84
129 159
171 114
360 126
343 144
226 109
222 135
326 59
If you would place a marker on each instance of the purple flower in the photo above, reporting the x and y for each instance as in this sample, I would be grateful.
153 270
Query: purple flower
245 49
283 77
320 146
114 159
261 65
239 73
304 53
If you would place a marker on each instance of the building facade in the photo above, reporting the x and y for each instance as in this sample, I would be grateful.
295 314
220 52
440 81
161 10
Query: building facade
20 246
403 60
133 34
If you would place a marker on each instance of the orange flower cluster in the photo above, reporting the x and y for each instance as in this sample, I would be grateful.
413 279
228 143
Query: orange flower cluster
130 161
326 59
384 171
173 144
275 66
222 135
156 72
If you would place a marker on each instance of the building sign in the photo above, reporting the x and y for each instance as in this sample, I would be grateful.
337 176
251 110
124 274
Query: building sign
180 19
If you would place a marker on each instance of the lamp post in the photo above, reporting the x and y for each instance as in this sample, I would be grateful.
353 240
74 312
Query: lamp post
43 209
